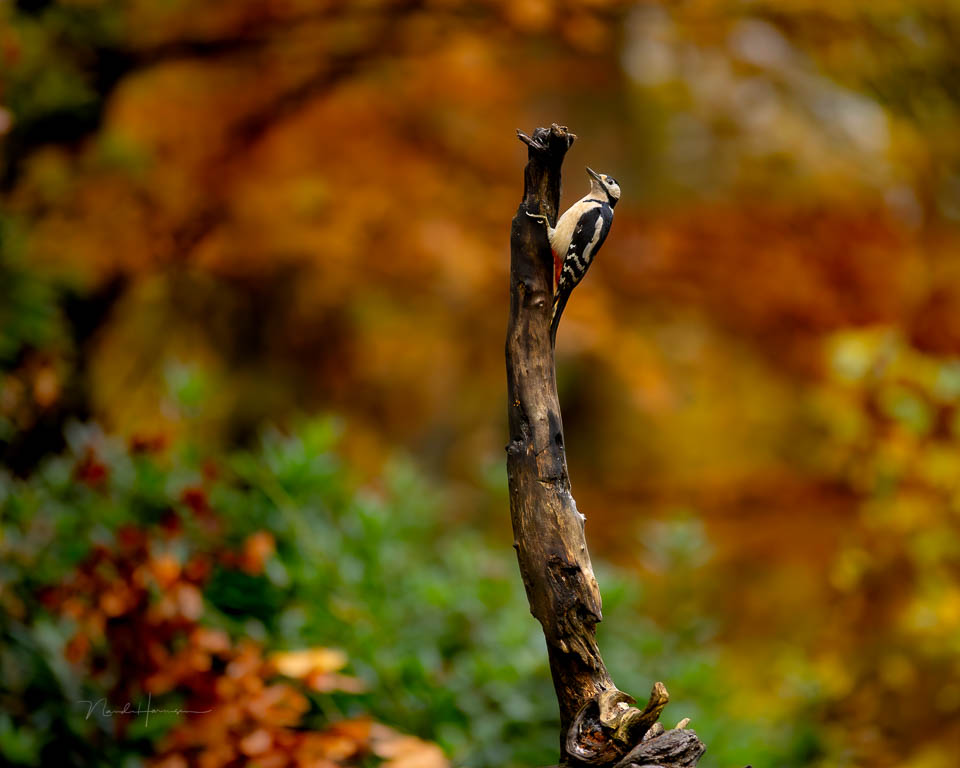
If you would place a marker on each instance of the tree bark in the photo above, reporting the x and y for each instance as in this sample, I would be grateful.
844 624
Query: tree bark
600 725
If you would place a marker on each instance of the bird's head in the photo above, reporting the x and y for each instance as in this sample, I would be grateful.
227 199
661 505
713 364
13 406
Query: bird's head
607 185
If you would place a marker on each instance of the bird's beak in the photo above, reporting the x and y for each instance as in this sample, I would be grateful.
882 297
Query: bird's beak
594 174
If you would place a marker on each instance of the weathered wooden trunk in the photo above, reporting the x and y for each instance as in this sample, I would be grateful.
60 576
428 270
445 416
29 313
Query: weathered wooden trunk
599 724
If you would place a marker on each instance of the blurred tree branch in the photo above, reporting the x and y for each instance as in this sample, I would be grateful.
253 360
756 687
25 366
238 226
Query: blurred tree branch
600 725
252 127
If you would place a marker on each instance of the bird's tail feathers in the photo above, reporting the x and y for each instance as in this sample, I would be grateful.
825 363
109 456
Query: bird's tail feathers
558 304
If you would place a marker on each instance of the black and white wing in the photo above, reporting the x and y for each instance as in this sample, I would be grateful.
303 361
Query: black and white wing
591 231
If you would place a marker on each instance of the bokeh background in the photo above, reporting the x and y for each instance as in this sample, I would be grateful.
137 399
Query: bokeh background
253 295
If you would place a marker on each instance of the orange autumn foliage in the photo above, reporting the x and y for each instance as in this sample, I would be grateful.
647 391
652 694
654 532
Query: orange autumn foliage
138 612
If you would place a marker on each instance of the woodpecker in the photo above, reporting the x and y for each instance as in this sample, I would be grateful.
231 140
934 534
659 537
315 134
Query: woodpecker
579 233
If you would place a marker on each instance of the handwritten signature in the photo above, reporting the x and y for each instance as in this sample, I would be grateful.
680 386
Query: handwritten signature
128 709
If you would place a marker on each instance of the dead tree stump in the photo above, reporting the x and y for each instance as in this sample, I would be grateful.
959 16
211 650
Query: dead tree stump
599 725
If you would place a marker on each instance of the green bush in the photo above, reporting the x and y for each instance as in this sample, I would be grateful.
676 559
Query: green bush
431 614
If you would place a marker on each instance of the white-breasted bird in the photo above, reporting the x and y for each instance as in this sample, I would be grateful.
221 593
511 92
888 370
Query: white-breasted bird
577 238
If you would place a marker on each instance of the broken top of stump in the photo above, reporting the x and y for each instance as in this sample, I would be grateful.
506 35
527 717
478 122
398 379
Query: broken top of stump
541 179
